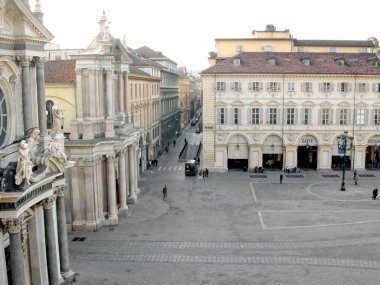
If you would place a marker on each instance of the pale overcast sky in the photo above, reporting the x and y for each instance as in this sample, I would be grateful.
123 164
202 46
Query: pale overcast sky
185 30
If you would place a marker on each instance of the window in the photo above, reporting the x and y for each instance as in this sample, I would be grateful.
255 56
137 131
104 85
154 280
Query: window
3 117
343 116
255 116
290 115
220 86
363 88
268 48
307 116
221 116
300 49
235 86
255 86
331 49
344 87
273 86
325 87
307 87
360 116
236 61
376 117
273 116
49 116
363 50
237 119
291 87
306 61
325 116
271 61
239 48
376 87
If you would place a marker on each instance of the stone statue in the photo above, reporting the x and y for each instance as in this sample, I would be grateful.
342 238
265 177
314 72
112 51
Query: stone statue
24 164
58 119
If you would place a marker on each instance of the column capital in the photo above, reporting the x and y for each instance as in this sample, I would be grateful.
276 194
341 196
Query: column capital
61 191
110 157
40 62
25 60
14 226
48 203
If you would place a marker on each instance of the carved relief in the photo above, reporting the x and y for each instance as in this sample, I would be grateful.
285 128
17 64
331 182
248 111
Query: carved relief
220 138
291 138
256 137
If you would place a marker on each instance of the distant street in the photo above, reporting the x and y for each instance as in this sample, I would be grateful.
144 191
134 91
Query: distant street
237 228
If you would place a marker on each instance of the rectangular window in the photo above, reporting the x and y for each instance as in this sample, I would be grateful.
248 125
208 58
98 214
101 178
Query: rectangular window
255 116
307 87
237 116
255 86
325 116
235 86
273 86
273 116
344 87
360 115
291 87
239 48
377 117
221 118
331 49
343 117
362 88
307 116
326 87
290 116
376 87
300 49
220 86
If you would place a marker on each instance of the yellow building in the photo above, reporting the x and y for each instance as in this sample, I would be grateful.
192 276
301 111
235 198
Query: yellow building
60 86
271 40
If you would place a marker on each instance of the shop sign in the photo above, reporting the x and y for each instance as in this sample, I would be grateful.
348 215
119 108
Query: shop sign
374 142
308 141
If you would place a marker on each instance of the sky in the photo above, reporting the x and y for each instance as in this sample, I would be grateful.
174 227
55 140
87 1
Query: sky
185 30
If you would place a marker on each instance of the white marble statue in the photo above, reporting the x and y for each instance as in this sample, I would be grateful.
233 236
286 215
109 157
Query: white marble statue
58 119
24 164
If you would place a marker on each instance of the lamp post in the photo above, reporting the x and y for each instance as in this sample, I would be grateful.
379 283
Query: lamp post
344 143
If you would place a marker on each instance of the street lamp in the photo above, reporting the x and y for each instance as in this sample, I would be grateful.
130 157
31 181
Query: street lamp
344 143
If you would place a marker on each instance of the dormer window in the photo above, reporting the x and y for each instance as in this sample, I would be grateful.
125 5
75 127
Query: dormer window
268 48
306 61
236 61
340 62
271 61
373 61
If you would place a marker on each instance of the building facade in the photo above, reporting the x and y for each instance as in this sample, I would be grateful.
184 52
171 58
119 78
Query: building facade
184 84
33 235
286 110
170 113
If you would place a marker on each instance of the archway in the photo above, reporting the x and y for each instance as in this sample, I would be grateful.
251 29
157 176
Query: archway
372 156
307 152
273 152
237 153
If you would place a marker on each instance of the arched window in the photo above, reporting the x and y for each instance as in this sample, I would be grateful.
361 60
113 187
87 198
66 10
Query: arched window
3 117
49 114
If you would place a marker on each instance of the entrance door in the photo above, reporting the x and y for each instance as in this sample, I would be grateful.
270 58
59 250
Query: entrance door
237 153
307 157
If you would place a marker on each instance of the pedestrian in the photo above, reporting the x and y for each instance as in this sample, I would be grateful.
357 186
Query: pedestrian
203 174
355 174
374 192
165 191
156 162
198 160
206 172
166 149
281 176
356 180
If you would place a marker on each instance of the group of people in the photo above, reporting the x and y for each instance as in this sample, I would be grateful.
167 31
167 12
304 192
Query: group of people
153 162
203 173
258 169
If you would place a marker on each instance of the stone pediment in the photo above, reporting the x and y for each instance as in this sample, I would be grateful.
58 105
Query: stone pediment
120 53
18 23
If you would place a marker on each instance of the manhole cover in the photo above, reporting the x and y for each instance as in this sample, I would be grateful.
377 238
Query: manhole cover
258 176
295 176
330 175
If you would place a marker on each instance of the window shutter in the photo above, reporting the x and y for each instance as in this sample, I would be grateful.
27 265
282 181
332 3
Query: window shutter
366 116
261 113
249 116
338 87
295 116
331 114
303 87
373 87
239 86
310 122
239 115
232 86
278 116
337 115
218 115
372 117
311 87
278 86
267 86
302 121
214 86
320 116
332 87
357 87
366 87
320 87
250 86
349 87
267 113
349 117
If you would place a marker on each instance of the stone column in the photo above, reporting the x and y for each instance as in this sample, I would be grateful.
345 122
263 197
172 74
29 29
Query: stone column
16 251
136 164
51 247
41 97
109 94
132 176
123 183
121 93
62 235
126 99
3 266
111 190
27 95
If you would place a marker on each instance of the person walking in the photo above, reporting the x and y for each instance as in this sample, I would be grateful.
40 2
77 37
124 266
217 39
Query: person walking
165 191
281 176
203 174
206 172
356 180
355 174
374 192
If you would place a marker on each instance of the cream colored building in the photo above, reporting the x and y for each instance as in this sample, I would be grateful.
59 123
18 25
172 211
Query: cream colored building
279 110
184 96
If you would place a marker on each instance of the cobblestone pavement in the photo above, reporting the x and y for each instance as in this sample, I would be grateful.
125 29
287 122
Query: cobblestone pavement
238 228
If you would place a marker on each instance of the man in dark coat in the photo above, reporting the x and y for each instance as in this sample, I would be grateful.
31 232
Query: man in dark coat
165 191
375 192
